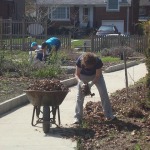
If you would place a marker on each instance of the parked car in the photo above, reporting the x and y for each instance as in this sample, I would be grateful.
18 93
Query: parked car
107 29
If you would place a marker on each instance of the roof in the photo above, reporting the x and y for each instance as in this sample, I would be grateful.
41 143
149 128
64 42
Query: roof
144 3
75 2
71 2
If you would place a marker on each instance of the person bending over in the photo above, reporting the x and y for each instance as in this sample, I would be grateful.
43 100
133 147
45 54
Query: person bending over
89 70
52 44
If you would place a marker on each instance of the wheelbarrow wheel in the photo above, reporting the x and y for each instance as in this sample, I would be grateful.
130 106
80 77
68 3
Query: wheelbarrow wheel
46 119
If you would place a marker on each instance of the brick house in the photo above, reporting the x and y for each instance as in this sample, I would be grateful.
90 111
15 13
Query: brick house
91 13
14 9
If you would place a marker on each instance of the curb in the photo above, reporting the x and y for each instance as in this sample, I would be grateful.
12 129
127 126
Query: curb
69 82
69 69
13 103
22 100
120 66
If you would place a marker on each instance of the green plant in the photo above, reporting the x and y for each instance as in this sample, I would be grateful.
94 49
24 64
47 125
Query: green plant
137 147
47 72
77 43
17 61
52 67
2 59
147 54
84 124
79 144
110 59
143 28
24 67
140 28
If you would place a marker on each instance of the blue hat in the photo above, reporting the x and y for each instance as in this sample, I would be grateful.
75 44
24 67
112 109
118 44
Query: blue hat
33 44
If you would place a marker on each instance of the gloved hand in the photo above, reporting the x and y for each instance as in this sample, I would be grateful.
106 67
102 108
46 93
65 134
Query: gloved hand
90 84
81 84
85 89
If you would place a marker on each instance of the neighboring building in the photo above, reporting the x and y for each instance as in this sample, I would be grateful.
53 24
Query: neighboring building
91 13
14 9
144 10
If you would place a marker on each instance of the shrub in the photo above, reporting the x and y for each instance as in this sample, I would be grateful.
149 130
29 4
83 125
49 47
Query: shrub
147 53
117 51
17 63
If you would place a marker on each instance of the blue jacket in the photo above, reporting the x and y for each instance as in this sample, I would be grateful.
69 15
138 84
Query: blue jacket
53 41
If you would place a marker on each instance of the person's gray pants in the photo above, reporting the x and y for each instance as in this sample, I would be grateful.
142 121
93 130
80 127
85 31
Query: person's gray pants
103 95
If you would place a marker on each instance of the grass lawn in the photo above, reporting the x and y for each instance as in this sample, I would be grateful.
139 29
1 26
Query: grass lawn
77 43
110 59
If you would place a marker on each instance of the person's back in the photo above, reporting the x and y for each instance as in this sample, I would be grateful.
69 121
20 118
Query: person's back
53 41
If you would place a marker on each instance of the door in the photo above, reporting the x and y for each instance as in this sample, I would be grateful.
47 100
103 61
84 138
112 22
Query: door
84 16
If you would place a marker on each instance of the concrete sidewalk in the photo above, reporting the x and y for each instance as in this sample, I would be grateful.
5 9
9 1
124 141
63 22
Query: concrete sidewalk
18 134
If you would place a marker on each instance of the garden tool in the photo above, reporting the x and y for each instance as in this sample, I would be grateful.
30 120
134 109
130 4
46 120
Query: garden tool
86 90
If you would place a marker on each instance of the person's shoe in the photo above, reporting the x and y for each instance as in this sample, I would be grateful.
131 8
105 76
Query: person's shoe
111 119
76 121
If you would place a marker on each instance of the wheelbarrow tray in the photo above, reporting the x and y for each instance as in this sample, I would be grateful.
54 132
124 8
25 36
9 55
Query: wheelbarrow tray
46 98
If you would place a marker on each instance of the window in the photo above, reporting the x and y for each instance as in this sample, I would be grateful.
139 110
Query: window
124 1
142 11
107 28
113 5
59 13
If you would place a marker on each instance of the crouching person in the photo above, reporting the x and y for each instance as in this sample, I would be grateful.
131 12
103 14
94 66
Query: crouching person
35 48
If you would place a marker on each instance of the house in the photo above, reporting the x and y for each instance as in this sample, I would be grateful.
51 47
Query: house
91 13
144 10
12 9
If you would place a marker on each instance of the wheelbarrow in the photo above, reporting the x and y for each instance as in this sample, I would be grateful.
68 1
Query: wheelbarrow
50 101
